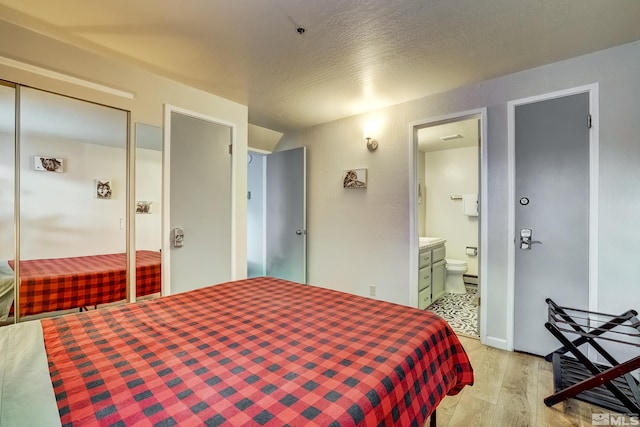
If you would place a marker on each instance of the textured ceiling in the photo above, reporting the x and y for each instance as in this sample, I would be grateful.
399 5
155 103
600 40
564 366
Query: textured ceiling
355 55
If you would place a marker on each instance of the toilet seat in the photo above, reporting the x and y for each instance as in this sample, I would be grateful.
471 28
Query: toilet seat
456 265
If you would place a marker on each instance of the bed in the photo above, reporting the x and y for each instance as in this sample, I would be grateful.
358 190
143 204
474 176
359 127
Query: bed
260 351
68 283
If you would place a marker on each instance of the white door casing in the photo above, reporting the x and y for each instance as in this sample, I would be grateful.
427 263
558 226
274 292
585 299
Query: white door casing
483 277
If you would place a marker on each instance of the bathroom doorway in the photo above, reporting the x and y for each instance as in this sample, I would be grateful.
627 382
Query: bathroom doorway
449 164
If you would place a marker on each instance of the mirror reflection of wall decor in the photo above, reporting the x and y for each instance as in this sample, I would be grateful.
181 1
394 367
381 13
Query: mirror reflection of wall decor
48 164
103 189
143 207
355 178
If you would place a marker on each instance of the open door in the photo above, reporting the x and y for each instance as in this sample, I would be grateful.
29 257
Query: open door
286 215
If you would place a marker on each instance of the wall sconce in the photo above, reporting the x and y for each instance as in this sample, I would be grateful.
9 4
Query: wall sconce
371 128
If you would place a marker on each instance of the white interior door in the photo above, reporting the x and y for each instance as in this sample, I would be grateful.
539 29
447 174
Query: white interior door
200 202
286 215
552 201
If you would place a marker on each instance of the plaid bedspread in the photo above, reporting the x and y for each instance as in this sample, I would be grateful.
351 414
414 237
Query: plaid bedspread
67 283
253 352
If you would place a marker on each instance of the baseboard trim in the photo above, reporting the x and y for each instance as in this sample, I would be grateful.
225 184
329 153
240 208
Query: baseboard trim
495 342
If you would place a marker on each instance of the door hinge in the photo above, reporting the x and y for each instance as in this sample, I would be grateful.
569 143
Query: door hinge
589 123
230 148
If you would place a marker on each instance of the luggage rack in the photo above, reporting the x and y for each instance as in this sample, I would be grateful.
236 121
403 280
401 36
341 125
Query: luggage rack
608 385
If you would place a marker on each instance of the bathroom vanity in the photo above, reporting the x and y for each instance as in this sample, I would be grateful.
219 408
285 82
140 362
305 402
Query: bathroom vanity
432 270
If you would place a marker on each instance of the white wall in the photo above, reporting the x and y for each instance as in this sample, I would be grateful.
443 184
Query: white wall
447 173
361 238
149 94
357 238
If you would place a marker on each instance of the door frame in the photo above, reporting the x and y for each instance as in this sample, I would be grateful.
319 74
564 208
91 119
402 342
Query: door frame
483 277
592 90
166 196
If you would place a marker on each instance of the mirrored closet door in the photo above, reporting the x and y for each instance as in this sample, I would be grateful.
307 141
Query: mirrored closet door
71 177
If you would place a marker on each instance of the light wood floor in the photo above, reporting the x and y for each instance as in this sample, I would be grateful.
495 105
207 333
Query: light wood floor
509 390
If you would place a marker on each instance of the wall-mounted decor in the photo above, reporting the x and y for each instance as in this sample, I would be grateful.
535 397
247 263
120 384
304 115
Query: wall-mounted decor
103 189
48 164
143 207
355 178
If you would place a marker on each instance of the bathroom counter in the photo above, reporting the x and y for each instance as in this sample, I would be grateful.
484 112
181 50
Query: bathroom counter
430 242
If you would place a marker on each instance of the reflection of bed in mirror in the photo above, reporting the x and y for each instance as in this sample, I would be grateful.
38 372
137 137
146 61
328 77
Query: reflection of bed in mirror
74 283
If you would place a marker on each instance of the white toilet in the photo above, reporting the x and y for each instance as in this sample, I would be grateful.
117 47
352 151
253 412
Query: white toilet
455 269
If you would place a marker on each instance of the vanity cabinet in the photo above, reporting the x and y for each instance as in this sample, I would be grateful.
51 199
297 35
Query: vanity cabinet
424 280
431 274
438 272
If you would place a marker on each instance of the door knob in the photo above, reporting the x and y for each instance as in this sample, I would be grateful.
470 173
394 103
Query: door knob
300 232
525 239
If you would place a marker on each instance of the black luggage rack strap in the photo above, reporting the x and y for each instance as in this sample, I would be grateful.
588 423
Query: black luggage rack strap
608 385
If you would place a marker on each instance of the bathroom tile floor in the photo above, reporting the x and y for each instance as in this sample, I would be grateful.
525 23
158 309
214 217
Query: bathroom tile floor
460 310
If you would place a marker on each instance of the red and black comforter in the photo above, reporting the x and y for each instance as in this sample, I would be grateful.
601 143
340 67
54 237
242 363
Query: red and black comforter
254 352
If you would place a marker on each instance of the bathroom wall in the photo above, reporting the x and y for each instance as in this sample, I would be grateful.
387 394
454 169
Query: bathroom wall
449 172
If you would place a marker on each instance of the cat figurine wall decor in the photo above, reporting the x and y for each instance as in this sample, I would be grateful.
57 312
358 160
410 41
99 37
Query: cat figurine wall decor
103 189
352 180
48 164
